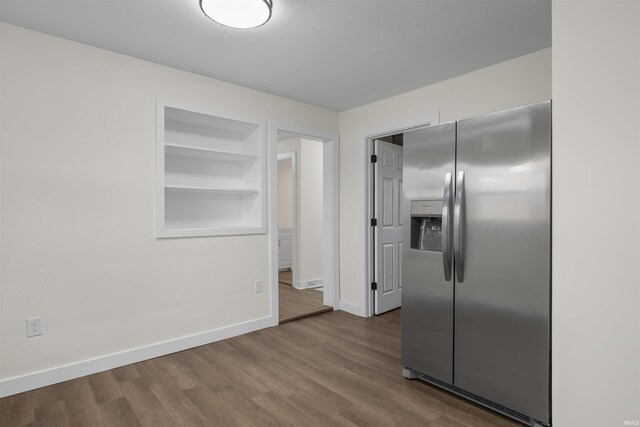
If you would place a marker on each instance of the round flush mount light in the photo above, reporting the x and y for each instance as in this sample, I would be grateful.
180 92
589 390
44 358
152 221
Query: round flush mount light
238 13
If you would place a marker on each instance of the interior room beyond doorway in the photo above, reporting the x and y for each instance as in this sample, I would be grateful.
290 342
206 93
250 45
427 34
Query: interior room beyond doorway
300 227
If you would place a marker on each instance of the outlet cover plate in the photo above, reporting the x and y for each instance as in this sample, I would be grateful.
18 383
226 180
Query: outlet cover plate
34 326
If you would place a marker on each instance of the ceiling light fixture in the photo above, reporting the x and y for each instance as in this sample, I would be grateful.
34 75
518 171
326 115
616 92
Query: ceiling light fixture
238 13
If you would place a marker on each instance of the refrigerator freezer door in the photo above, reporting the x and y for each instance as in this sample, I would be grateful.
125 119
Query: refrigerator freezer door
502 315
427 298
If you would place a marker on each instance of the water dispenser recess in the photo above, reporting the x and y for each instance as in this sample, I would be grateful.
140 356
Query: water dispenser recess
426 225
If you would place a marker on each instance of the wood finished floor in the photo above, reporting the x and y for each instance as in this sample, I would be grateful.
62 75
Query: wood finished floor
286 277
295 303
334 369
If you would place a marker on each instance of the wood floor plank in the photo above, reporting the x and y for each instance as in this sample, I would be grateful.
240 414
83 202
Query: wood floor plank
364 416
271 380
445 421
118 412
163 371
54 415
283 411
380 384
321 394
255 346
411 420
125 373
290 381
148 409
104 386
20 407
15 412
82 408
178 405
216 411
341 382
226 367
206 373
319 409
286 277
247 412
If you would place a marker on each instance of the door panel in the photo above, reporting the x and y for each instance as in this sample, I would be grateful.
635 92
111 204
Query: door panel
387 268
388 154
427 298
389 230
387 202
400 201
502 303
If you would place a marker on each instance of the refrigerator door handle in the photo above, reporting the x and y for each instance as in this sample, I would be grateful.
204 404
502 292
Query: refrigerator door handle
446 226
457 231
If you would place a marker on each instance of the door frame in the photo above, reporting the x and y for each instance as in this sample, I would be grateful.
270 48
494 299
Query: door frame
366 138
294 210
331 194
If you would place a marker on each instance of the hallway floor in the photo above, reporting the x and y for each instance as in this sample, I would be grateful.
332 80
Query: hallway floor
295 303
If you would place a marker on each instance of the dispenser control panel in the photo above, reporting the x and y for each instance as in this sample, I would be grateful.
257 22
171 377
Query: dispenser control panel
426 207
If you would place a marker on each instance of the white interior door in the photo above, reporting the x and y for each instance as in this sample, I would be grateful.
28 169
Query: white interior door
388 231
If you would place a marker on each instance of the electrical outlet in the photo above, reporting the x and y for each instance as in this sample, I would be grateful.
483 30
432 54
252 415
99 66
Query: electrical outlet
259 286
34 326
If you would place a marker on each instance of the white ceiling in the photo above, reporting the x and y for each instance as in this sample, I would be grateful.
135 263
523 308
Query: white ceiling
332 53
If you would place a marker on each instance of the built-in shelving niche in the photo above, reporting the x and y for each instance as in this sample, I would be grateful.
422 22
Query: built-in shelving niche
210 174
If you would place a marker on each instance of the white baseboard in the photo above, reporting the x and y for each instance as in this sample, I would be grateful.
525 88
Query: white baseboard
309 284
58 374
353 309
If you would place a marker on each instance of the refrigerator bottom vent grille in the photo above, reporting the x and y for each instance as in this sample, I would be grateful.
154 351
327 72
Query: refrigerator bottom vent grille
481 400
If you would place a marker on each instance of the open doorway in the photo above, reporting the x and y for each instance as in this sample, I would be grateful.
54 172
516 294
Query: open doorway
386 225
383 213
304 220
300 197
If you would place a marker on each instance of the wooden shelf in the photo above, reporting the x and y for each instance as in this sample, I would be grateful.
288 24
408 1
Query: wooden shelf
212 190
218 231
208 153
210 174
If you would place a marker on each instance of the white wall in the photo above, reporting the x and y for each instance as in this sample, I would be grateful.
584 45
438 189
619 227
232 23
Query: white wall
516 82
77 241
309 172
285 194
596 161
311 210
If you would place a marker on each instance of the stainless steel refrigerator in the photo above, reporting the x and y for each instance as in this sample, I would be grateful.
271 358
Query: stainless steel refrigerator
477 259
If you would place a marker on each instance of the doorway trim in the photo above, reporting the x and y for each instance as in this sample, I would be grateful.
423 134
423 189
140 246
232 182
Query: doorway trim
295 209
331 194
366 144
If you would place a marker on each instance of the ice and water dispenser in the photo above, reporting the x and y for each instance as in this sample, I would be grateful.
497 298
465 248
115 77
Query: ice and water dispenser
426 225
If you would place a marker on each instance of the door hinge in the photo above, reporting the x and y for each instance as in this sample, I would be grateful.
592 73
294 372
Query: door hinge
374 222
374 158
374 286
